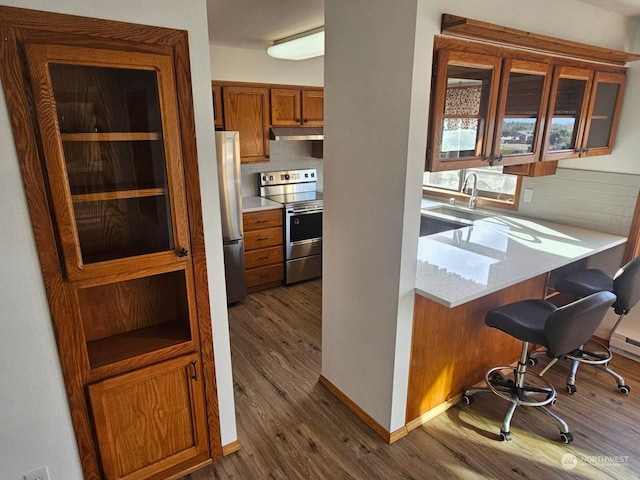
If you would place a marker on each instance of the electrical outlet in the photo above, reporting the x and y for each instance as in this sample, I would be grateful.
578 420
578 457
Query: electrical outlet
39 474
528 195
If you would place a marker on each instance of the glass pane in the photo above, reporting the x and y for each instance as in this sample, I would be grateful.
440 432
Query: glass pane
566 113
494 184
110 166
111 229
101 99
521 113
449 179
111 128
465 111
602 119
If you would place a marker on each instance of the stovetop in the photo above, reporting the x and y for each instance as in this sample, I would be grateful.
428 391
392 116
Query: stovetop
299 197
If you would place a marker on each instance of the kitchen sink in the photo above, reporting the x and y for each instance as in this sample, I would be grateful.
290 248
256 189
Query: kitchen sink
445 217
457 213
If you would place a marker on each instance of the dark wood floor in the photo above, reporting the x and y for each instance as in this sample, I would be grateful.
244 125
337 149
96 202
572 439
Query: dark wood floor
293 428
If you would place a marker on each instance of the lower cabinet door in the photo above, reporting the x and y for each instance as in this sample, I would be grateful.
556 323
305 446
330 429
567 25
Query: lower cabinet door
152 420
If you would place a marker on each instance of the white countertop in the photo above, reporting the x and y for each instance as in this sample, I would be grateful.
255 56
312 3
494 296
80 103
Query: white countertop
254 204
458 266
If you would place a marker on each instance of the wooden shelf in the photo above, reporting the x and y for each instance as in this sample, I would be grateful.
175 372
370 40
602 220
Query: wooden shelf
118 195
110 136
120 347
455 25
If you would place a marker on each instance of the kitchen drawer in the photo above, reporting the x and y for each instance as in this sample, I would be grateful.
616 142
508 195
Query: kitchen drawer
262 257
268 237
259 276
262 219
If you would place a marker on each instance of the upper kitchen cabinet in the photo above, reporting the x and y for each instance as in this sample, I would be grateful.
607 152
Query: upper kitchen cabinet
313 107
463 110
603 113
295 107
218 119
103 116
246 110
567 112
554 99
584 115
524 89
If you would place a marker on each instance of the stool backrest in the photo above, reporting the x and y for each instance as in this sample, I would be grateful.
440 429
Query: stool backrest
570 326
626 286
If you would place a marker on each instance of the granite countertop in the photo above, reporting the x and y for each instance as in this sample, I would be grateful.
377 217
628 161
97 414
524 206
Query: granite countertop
457 266
254 204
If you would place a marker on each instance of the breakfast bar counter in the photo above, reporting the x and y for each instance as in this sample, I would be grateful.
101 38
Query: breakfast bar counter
465 272
457 266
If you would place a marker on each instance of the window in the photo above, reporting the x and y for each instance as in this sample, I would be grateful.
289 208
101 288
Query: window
494 188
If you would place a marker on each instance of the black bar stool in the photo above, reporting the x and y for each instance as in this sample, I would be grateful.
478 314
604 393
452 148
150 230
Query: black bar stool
560 329
625 284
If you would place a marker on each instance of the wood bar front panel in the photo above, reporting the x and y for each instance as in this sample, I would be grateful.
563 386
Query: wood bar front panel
452 348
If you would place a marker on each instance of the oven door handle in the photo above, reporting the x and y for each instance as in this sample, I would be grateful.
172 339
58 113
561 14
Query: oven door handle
294 211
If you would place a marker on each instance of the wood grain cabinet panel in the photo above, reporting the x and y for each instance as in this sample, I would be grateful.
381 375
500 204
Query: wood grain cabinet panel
159 408
246 110
313 108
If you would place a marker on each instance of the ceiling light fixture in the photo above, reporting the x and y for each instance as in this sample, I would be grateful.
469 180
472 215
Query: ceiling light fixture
299 47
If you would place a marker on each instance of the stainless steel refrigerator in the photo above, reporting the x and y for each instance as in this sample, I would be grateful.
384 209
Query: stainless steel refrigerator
228 154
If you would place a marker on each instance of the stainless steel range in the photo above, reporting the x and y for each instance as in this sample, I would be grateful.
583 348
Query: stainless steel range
296 190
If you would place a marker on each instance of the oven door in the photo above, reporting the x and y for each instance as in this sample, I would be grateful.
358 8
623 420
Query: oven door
303 231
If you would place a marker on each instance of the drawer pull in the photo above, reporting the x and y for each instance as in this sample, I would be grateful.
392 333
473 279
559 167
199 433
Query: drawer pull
263 257
260 239
261 221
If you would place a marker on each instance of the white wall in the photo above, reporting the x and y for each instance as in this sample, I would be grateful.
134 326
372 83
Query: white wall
373 159
377 93
34 415
247 65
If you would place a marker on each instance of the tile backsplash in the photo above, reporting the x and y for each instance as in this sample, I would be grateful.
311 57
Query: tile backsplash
285 155
601 201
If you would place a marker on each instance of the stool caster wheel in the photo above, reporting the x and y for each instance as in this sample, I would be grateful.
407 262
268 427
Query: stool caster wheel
505 436
532 361
566 437
624 389
572 388
467 399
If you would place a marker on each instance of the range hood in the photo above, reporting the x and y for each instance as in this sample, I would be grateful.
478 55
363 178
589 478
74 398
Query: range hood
296 133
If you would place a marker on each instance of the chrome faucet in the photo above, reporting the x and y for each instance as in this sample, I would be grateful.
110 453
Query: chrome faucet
473 199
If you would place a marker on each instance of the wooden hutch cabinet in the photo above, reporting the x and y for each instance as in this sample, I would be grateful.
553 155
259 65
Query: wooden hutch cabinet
105 122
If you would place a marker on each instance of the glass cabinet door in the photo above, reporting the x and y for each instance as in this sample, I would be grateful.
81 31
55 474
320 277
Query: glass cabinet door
524 92
464 110
113 158
569 95
604 107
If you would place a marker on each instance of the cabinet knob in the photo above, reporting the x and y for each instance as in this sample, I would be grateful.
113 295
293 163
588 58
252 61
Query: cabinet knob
182 252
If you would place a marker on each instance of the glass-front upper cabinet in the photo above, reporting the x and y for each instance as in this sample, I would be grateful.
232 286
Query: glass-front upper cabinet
524 91
463 110
566 116
602 116
109 128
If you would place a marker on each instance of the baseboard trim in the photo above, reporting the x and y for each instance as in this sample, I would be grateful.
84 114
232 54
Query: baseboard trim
387 436
230 448
434 412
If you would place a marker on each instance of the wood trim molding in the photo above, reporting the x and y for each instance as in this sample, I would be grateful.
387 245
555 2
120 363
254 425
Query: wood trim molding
466 27
232 447
389 437
434 412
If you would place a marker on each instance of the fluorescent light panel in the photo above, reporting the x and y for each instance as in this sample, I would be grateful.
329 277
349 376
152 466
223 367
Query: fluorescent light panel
299 47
